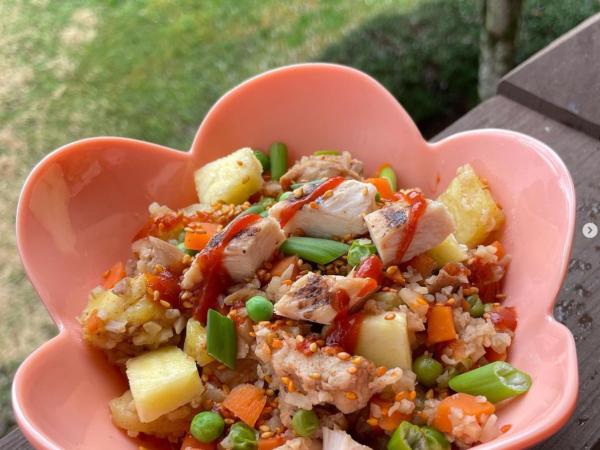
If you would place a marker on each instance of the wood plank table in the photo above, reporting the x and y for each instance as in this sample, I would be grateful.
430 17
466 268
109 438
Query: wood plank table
554 97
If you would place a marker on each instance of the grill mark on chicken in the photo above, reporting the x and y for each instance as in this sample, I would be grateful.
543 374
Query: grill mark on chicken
313 294
395 218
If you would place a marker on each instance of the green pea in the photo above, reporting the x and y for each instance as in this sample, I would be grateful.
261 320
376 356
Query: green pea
207 426
427 370
476 307
187 251
305 422
243 437
259 308
265 162
435 440
266 202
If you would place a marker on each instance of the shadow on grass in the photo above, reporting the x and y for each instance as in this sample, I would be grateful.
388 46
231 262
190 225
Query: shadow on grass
426 57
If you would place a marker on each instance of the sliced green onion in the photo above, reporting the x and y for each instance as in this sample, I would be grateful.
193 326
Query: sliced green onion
265 162
221 338
264 214
266 201
321 251
327 152
476 307
284 195
360 249
389 174
278 155
297 185
435 439
377 197
497 381
407 437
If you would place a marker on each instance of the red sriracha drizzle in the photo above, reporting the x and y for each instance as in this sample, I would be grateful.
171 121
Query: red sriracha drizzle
371 267
210 261
294 204
167 283
417 208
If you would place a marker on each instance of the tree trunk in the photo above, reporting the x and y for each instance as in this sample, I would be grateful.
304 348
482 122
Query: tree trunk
497 42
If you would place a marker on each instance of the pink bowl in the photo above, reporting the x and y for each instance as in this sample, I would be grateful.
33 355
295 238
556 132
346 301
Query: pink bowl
82 204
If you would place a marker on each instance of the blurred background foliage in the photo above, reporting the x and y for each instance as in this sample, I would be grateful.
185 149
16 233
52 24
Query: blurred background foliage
151 69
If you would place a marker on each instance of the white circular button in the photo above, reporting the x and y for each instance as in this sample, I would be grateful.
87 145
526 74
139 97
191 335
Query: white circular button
590 230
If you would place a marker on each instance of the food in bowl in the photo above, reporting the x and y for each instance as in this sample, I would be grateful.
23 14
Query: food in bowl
309 307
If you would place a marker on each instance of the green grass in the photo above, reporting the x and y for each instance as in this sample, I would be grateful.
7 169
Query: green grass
151 69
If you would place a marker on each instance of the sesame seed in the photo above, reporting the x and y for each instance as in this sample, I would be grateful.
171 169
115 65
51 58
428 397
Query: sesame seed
187 305
245 179
285 380
300 338
226 389
400 396
315 376
365 191
384 411
267 435
229 421
313 205
505 428
268 265
298 192
291 386
313 347
500 296
321 343
264 428
106 274
264 323
390 316
221 367
351 396
357 360
187 259
252 334
268 379
429 394
239 163
266 349
343 356
270 392
336 238
391 270
352 370
328 193
373 422
156 295
486 316
422 415
412 395
277 344
165 304
381 371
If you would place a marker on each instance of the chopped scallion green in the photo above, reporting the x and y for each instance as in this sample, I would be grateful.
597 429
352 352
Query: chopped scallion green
476 308
221 339
497 381
389 174
321 251
278 155
284 195
265 162
360 248
297 185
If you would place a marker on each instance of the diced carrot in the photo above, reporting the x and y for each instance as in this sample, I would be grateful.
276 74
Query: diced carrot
191 443
272 442
115 274
492 356
93 322
383 187
422 263
500 252
467 403
246 401
440 325
386 422
197 241
281 266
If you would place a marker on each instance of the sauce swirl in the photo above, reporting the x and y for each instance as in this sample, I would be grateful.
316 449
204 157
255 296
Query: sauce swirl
417 205
295 204
210 261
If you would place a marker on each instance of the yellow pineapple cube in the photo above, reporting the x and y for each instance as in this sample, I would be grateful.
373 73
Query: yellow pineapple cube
448 251
232 179
385 342
195 343
476 213
161 381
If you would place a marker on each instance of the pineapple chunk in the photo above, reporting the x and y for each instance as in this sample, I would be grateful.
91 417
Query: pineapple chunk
124 415
161 381
385 342
195 343
448 251
225 179
475 212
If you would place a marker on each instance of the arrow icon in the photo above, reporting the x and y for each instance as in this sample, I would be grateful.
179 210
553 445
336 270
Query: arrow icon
590 230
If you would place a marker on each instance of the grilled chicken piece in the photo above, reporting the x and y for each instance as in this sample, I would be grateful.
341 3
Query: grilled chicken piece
388 227
315 167
339 215
318 298
245 253
334 384
340 440
153 252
